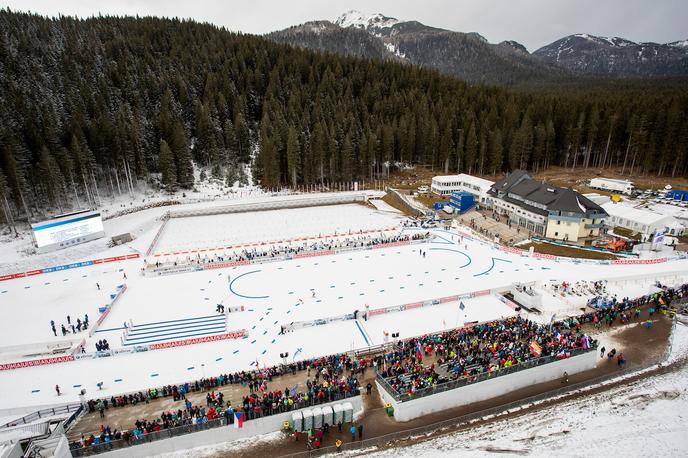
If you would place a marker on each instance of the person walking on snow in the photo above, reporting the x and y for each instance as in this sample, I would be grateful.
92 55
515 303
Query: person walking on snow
57 388
52 326
98 286
125 275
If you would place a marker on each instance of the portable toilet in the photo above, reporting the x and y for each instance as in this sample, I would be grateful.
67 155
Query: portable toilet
348 412
337 414
307 419
328 417
317 417
297 421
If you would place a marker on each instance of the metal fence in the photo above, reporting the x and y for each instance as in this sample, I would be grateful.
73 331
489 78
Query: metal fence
193 428
463 381
37 415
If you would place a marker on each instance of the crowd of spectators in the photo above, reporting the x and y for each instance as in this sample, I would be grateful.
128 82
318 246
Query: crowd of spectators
467 352
488 347
327 378
262 253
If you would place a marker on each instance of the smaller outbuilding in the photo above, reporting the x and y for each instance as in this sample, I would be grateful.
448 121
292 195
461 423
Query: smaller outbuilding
677 194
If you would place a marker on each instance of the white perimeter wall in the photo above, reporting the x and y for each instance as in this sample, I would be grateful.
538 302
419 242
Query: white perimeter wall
405 411
217 435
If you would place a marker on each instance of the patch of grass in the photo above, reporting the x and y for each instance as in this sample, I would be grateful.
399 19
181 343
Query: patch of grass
623 232
429 199
567 251
394 203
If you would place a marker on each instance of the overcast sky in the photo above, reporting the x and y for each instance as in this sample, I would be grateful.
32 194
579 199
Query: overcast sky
533 23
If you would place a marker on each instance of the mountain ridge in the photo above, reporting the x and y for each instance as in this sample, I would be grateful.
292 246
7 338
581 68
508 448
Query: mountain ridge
470 56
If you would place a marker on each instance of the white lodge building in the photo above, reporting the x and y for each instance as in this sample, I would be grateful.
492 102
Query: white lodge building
546 210
444 185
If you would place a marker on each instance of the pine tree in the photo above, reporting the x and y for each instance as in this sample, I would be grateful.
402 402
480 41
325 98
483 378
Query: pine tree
182 156
167 166
495 151
293 156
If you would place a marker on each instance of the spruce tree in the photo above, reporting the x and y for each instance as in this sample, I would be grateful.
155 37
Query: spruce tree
167 166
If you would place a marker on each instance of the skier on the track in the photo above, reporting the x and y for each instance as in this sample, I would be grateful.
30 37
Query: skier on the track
52 326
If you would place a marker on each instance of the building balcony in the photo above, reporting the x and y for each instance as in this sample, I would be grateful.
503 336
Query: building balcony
595 226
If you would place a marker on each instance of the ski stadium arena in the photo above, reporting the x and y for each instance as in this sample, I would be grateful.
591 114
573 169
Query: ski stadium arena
216 288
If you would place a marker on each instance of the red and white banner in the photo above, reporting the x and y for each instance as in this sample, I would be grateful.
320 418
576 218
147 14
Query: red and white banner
198 340
222 265
391 244
36 362
31 273
310 254
545 256
639 261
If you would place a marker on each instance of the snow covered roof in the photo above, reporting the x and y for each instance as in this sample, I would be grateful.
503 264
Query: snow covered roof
634 214
599 199
465 178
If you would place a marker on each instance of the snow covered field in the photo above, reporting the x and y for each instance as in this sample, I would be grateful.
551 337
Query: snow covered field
272 294
202 232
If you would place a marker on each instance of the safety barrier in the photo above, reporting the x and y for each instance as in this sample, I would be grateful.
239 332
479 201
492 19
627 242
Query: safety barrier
175 269
120 351
151 247
74 265
36 362
198 340
427 303
113 299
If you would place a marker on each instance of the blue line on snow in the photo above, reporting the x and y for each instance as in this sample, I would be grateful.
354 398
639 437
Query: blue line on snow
235 352
470 260
118 380
231 286
111 329
492 266
165 339
362 333
446 242
176 321
176 330
147 328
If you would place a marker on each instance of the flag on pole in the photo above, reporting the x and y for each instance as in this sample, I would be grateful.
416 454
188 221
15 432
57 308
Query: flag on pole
585 342
536 349
293 391
238 420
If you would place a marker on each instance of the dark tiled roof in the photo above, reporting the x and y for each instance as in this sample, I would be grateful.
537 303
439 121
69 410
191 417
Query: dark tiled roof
510 179
530 208
555 199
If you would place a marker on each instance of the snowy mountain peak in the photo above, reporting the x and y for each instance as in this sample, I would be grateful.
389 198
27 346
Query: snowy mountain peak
679 44
359 20
610 41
